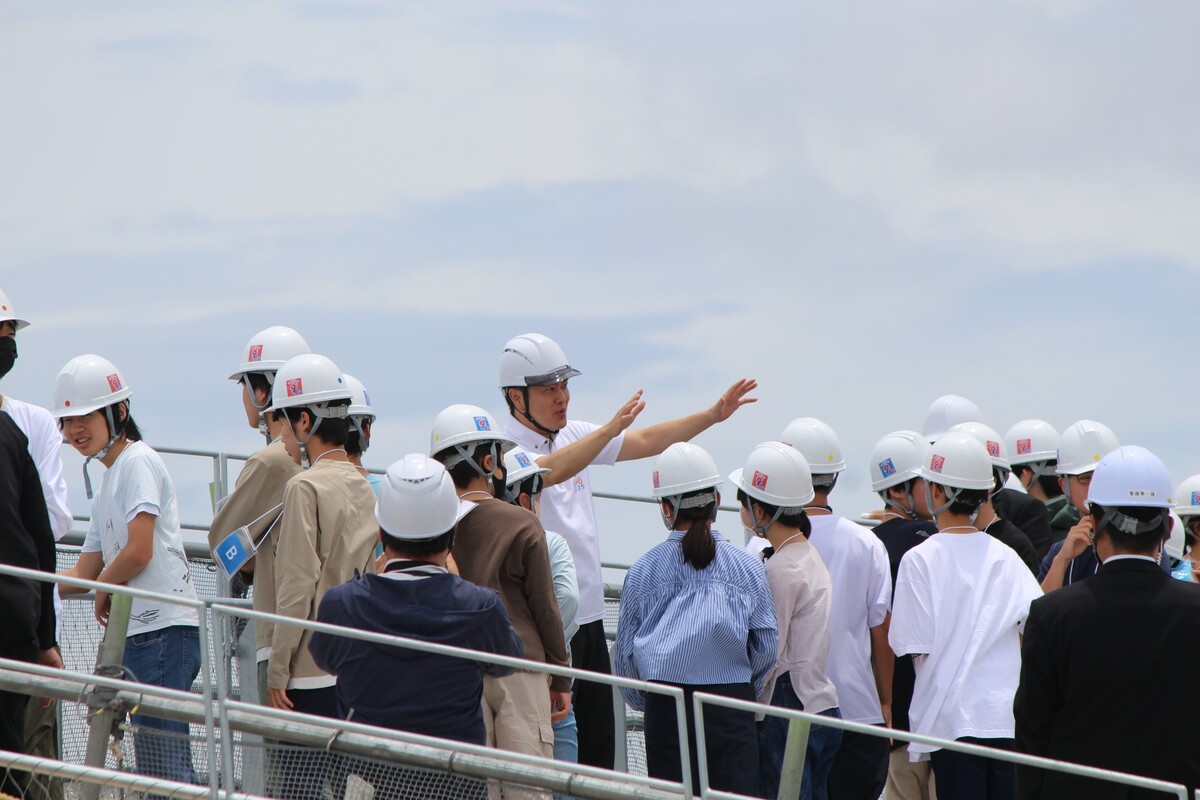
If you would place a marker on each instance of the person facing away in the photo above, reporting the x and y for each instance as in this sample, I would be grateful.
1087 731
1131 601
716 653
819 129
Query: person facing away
534 380
961 598
696 613
895 468
860 661
773 508
134 538
1099 654
414 596
256 501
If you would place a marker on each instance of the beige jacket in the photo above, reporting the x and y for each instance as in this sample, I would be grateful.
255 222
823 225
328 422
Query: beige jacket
259 488
327 532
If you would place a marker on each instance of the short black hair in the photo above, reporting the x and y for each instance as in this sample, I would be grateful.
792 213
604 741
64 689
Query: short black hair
332 430
463 473
794 519
1047 482
1146 544
258 383
418 548
968 501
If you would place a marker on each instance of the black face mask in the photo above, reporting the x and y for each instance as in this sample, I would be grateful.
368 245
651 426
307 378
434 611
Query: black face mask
8 354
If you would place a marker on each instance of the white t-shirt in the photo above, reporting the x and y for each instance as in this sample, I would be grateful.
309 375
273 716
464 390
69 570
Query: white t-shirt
567 508
45 441
962 599
862 592
136 482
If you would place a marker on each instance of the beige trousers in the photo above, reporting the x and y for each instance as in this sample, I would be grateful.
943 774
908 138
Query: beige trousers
516 713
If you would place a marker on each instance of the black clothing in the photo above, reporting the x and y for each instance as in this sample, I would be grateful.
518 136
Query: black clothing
1004 531
1030 515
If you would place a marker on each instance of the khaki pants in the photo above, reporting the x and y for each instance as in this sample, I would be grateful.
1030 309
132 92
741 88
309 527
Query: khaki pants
516 713
41 739
909 780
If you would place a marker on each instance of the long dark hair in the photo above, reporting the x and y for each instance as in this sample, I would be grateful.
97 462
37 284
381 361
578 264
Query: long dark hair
698 545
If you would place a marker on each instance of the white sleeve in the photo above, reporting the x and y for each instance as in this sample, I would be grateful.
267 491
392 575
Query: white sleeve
566 586
143 508
44 445
879 590
141 485
608 456
912 628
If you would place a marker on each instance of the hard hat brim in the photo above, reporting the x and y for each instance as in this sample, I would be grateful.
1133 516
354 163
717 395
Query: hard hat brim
554 377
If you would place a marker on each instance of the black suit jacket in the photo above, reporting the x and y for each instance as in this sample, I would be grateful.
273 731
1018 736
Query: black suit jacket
1027 513
27 619
1098 658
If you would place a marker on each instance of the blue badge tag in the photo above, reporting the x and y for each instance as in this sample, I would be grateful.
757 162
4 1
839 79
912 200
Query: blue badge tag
234 551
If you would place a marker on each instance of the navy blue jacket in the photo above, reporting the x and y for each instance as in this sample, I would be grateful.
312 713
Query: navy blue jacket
1084 565
393 687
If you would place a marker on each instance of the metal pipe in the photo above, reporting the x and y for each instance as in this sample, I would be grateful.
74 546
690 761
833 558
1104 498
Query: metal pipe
102 716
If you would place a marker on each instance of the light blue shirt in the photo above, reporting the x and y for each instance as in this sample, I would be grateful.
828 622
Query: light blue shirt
682 625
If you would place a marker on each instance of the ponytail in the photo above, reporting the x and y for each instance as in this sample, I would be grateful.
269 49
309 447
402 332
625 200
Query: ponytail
698 545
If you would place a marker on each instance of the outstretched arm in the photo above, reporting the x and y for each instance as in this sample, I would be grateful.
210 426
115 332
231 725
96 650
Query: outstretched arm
569 461
646 442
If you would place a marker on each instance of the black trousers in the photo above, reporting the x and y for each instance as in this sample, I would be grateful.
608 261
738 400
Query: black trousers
12 738
961 776
860 768
593 702
730 737
299 772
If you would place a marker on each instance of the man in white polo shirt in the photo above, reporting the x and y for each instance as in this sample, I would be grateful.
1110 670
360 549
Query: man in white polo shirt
534 373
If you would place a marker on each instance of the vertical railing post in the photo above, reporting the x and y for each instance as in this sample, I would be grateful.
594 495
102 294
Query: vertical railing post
792 774
701 744
223 712
102 718
210 737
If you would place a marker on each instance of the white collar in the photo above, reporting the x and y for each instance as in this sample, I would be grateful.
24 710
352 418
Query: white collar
1125 556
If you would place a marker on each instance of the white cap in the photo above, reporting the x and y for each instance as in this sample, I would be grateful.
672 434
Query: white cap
520 464
417 499
88 383
897 458
269 349
9 314
308 381
817 442
533 359
1082 445
463 424
958 460
990 440
682 468
1031 440
777 474
946 412
1132 476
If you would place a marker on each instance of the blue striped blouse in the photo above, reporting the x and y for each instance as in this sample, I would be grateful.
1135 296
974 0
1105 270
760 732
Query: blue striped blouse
687 626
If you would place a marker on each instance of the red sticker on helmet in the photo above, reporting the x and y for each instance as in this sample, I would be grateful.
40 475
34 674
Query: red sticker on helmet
255 352
655 478
936 463
759 481
993 449
1024 447
114 382
295 387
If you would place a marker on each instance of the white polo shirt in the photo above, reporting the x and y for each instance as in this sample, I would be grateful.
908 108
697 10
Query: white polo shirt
862 594
567 508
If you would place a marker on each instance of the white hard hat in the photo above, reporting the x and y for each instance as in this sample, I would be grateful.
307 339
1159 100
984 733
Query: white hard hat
1082 445
9 314
897 457
990 440
532 359
946 412
309 381
777 474
1187 495
268 349
1132 476
817 442
1176 545
88 383
360 401
1031 440
959 461
417 499
461 424
682 468
520 464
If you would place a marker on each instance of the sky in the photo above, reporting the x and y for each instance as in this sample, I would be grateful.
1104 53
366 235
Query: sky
862 205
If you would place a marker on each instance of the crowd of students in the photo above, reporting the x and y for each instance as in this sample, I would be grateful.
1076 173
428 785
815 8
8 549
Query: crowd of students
489 541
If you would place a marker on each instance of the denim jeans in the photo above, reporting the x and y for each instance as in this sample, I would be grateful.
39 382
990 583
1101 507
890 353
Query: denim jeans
968 777
168 657
566 741
823 744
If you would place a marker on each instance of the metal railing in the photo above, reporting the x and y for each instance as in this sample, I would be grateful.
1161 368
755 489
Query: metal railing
228 665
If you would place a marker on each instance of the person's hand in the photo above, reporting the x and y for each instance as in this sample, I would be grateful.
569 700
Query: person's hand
103 607
53 659
886 708
279 699
560 705
626 414
1078 539
734 398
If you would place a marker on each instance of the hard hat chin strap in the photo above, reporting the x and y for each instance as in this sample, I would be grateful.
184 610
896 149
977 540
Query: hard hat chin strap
114 434
501 492
677 503
549 432
261 407
318 413
910 510
358 423
1132 525
951 495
